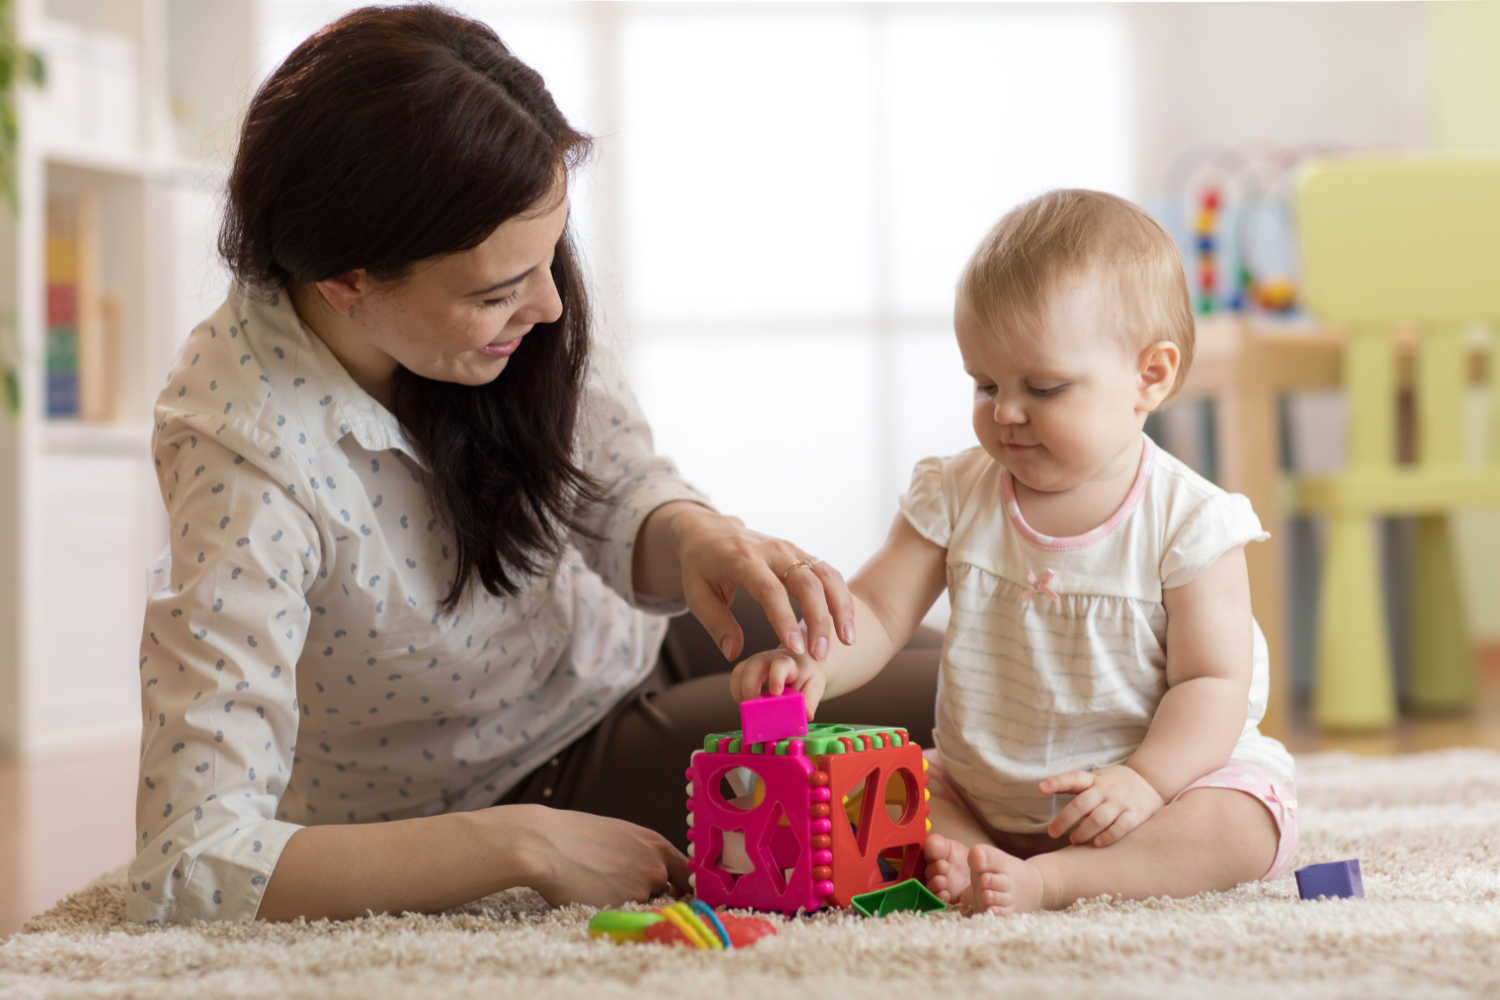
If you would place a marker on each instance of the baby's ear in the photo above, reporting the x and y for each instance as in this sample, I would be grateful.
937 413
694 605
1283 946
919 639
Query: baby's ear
1157 366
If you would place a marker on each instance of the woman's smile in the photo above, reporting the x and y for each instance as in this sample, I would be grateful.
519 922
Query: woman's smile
501 348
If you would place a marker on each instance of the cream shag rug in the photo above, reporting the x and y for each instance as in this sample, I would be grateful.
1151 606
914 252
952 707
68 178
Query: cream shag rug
1426 828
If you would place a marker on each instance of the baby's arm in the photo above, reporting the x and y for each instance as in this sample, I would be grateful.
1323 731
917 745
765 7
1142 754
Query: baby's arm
892 592
1210 643
1209 649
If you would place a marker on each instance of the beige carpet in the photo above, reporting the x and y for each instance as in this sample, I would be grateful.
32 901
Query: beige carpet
1425 827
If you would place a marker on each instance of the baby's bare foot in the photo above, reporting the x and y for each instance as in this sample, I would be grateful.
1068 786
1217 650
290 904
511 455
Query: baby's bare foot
947 872
1002 883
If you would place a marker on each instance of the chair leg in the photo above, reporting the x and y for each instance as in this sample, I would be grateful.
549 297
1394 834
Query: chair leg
1352 687
1443 674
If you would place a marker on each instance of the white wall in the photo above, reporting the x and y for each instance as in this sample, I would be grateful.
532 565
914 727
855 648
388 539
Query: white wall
782 194
1254 76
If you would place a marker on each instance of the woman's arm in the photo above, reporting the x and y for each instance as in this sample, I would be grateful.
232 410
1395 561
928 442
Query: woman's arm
1210 643
224 629
437 862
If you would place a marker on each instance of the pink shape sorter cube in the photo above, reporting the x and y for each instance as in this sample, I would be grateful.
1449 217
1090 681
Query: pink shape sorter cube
806 821
773 717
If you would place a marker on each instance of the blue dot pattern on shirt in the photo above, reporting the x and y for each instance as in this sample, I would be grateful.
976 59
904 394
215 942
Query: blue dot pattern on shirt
294 666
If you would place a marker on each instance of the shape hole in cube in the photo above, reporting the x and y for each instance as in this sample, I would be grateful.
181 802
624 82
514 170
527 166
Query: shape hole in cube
902 797
741 788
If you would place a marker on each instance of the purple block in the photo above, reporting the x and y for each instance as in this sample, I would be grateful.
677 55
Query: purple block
1332 878
773 717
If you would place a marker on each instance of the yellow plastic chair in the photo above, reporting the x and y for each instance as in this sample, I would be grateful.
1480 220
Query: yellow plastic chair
1398 247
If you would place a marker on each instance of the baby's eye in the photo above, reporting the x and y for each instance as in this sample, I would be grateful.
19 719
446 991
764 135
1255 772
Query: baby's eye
1043 391
984 389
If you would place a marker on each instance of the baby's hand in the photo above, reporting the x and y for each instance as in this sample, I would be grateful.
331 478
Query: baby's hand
1108 804
774 671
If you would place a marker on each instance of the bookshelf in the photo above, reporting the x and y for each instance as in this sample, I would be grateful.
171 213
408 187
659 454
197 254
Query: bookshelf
106 266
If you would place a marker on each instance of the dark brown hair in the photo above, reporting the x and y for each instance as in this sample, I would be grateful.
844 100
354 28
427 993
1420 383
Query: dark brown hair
396 134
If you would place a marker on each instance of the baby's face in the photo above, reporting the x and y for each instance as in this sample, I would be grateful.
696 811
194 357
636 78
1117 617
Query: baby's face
1058 409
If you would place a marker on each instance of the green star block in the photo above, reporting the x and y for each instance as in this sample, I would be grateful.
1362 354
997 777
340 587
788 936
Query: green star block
908 895
822 738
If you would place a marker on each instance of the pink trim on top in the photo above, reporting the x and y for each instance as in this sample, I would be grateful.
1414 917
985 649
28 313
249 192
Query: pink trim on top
1131 501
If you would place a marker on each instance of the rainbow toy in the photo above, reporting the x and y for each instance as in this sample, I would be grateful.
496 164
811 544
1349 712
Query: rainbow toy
694 925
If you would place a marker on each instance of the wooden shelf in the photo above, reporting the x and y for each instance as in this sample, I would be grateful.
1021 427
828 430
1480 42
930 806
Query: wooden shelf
81 437
135 165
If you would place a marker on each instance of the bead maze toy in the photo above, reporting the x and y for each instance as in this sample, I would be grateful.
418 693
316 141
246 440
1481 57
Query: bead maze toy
1206 242
804 818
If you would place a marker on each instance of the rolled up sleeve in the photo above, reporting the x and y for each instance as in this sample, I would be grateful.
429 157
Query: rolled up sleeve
615 447
225 624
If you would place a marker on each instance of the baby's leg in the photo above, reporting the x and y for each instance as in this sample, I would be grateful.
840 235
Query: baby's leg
1208 839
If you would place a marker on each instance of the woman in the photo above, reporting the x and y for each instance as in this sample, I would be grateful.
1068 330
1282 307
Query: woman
403 650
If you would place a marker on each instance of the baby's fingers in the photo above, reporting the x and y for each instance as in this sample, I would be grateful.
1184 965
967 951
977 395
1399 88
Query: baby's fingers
1117 830
1067 783
783 669
750 677
813 686
1095 823
1074 812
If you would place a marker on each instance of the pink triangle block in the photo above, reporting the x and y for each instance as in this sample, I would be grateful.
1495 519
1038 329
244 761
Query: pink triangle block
773 717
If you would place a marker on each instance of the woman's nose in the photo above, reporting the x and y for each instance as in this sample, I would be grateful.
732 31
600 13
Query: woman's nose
549 302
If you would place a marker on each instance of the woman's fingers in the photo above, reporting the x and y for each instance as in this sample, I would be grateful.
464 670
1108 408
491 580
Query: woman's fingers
712 612
804 583
678 869
771 595
840 600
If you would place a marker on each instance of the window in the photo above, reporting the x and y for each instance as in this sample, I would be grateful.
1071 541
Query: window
779 204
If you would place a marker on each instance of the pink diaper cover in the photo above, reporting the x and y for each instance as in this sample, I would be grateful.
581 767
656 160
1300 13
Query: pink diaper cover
1258 783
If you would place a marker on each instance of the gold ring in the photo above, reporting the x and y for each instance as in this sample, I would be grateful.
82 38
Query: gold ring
809 563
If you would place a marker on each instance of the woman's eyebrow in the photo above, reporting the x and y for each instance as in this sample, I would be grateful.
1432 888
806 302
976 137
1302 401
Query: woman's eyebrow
502 284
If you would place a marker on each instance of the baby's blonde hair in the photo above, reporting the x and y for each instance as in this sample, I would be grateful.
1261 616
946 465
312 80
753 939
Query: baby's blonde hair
1071 233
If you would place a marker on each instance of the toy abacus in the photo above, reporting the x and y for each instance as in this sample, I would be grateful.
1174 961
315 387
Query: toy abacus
802 819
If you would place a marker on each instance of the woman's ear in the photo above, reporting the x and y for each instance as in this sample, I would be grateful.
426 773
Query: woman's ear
1157 365
345 292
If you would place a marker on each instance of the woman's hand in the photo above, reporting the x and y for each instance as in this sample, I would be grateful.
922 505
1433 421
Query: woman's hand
774 671
1107 804
577 857
720 556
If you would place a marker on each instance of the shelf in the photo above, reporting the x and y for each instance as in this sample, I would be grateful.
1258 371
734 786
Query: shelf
78 437
134 164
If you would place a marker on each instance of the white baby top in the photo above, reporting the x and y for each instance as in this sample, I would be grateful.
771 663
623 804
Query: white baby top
1055 655
294 668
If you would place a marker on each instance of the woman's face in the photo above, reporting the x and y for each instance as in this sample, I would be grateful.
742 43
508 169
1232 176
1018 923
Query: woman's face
460 317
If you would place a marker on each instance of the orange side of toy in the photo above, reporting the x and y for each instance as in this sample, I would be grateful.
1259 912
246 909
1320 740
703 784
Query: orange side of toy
888 786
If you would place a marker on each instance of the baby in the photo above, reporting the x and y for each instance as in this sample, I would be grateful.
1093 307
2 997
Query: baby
1102 676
